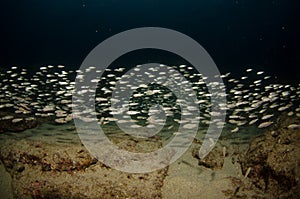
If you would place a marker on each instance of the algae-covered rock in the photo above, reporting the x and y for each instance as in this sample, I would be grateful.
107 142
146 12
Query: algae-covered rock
214 160
58 170
274 161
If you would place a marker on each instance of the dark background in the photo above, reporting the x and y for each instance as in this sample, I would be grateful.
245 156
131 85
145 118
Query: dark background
238 34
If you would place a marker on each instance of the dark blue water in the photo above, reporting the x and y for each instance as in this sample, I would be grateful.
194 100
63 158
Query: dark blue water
237 33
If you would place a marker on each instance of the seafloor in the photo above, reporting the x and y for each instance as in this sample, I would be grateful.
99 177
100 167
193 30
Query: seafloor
49 161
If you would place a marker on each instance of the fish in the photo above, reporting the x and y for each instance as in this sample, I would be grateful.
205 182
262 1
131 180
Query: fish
236 129
265 117
265 124
293 126
253 121
260 72
49 93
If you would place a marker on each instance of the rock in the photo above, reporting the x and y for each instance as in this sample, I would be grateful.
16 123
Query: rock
214 160
60 170
274 161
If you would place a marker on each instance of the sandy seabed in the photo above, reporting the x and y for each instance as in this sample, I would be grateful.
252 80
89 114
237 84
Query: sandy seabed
49 161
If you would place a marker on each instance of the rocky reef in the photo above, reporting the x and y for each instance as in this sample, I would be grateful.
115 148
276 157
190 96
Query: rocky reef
43 170
214 160
272 161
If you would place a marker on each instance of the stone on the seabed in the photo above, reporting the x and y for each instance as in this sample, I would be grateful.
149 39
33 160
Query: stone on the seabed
274 160
59 170
214 160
